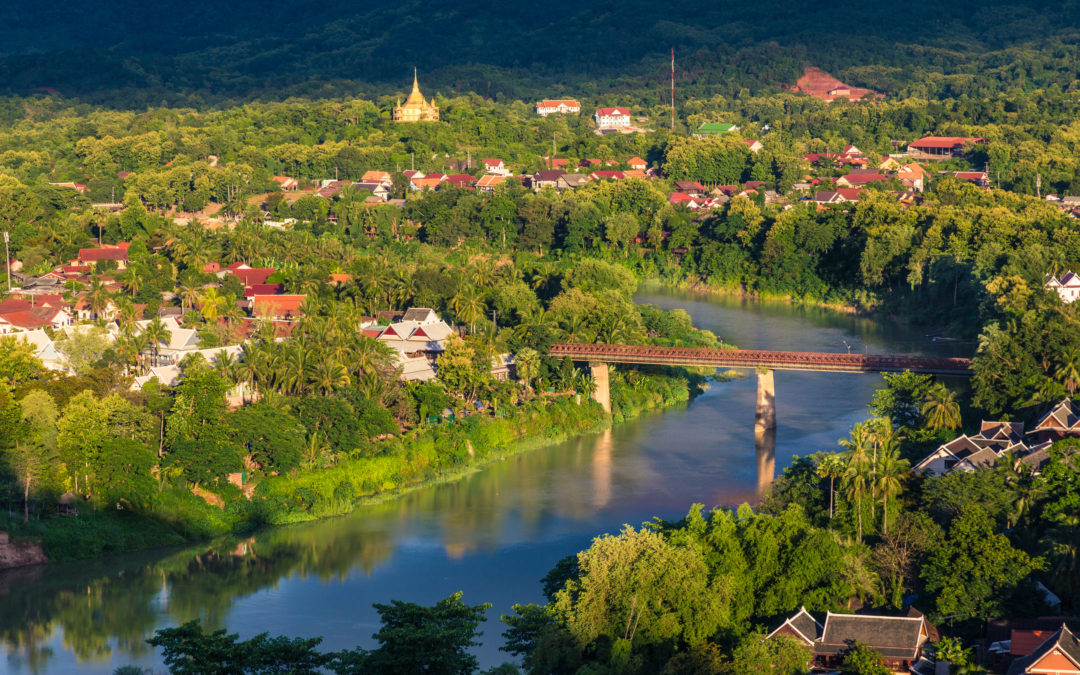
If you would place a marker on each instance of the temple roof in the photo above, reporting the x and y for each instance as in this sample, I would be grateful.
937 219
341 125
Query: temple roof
416 98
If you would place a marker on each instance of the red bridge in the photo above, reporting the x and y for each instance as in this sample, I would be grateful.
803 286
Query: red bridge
771 360
765 362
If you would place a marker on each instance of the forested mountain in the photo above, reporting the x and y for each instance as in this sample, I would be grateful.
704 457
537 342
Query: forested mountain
132 54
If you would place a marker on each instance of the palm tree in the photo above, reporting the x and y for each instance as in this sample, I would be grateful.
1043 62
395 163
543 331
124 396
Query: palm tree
329 376
469 306
98 297
189 295
212 304
1068 371
527 365
940 408
857 479
157 334
832 467
888 477
225 365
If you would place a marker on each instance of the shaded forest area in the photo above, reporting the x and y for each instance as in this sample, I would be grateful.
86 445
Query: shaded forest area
129 54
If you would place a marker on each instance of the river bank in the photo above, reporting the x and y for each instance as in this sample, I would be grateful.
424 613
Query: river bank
739 291
384 471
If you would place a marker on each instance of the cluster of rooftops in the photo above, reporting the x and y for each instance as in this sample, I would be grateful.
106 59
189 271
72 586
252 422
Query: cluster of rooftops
996 440
901 640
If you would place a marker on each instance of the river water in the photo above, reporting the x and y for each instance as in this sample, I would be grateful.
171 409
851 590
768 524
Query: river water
493 534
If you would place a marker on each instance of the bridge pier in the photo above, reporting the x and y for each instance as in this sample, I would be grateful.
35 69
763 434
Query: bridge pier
765 429
602 392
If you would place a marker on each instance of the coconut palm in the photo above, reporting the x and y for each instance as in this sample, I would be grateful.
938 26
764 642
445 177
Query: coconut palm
468 305
189 295
527 366
98 297
157 334
328 376
212 304
889 473
832 467
940 408
857 481
1068 371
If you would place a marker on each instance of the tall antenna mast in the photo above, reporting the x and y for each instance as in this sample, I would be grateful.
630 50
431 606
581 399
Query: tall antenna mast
672 89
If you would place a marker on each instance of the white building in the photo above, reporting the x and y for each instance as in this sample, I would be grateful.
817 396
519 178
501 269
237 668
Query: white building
1067 288
559 107
612 118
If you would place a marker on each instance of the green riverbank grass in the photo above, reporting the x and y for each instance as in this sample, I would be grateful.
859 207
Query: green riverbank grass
379 472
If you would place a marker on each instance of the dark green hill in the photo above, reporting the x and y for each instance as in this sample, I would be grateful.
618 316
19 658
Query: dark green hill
127 52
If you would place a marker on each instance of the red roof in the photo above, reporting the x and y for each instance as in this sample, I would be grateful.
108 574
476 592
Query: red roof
945 141
972 175
862 178
264 289
277 305
253 276
103 253
679 198
1024 642
570 103
607 112
615 175
372 332
460 179
492 161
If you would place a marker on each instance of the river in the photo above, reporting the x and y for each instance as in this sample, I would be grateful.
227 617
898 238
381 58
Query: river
493 534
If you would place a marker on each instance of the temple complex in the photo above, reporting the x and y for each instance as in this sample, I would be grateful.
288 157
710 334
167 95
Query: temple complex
416 107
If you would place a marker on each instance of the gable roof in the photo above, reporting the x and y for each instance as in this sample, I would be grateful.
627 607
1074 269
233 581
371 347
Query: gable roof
953 142
891 636
1062 417
1062 648
548 175
607 112
554 103
806 626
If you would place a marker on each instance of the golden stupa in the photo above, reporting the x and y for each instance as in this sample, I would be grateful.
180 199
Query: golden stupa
416 108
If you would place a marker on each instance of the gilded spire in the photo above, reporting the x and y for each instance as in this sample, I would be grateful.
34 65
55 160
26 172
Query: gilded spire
415 81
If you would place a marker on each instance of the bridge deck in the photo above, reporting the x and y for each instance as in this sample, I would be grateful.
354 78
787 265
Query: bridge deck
773 360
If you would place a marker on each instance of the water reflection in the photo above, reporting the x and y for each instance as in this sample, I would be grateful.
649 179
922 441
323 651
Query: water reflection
493 534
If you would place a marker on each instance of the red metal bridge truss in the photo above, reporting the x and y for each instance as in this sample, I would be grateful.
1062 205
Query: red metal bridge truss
751 358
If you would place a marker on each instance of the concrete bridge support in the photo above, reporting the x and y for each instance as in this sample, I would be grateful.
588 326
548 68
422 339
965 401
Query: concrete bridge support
765 429
602 393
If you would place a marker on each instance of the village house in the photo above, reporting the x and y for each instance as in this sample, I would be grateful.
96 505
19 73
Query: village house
91 256
980 178
612 118
860 179
496 166
44 350
754 145
637 163
1063 421
690 187
557 107
607 175
377 189
462 181
838 196
913 176
19 315
941 147
546 178
377 177
277 307
416 108
898 639
428 182
981 450
488 183
571 181
285 183
79 187
1058 654
1067 288
248 275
